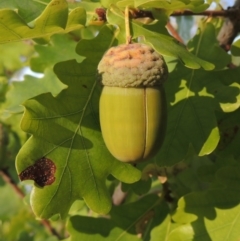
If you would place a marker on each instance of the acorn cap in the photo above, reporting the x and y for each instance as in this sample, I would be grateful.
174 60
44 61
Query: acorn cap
132 65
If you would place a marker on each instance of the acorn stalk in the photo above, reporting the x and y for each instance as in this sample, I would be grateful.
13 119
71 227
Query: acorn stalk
132 103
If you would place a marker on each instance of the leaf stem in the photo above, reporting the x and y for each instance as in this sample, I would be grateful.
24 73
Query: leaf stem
127 26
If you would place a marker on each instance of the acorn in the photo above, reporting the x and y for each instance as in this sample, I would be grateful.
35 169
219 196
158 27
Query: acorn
133 110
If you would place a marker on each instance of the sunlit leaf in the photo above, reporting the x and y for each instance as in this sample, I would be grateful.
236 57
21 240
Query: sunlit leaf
195 176
66 130
61 48
108 3
31 87
193 97
27 9
90 8
215 212
196 6
191 118
13 55
54 19
225 85
125 3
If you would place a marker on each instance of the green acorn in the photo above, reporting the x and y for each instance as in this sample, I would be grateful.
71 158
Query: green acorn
132 104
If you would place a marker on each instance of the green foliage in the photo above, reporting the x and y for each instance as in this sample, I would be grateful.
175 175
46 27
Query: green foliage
188 191
60 48
73 116
10 55
10 144
235 48
128 222
196 6
32 86
195 93
54 19
28 10
211 209
164 44
17 221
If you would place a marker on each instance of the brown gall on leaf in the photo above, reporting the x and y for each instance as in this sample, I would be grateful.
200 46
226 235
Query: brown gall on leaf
42 172
101 12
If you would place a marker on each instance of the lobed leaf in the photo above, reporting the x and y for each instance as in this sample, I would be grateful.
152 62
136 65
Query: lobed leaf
28 10
19 92
54 19
66 131
60 48
214 214
193 97
132 221
191 118
205 46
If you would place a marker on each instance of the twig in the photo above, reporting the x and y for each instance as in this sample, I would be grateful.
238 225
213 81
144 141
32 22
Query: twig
174 33
213 13
8 179
118 196
49 227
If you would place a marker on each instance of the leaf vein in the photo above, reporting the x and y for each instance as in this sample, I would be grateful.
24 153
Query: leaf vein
80 131
57 116
13 32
